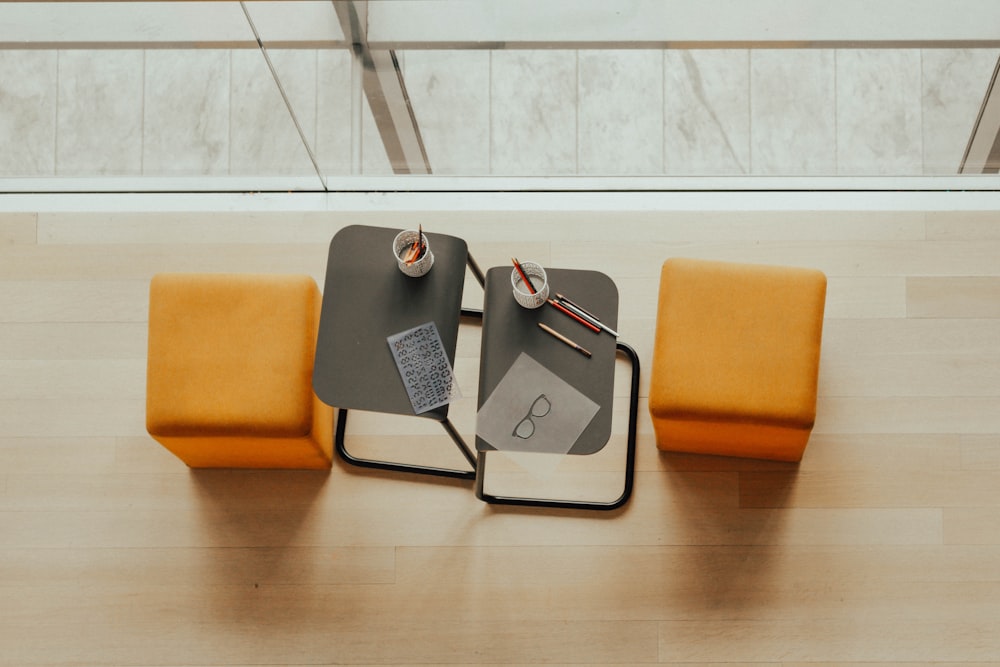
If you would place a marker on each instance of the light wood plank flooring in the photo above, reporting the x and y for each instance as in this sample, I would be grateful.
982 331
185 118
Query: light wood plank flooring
881 547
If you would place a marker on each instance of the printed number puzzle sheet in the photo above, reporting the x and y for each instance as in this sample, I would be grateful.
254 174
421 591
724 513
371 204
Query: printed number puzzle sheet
424 367
534 410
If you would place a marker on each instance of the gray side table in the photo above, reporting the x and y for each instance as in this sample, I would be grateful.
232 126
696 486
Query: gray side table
366 299
509 330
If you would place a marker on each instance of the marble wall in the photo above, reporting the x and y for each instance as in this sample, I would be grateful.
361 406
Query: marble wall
707 112
174 113
28 95
504 112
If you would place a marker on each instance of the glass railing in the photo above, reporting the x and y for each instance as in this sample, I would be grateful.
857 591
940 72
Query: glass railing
315 95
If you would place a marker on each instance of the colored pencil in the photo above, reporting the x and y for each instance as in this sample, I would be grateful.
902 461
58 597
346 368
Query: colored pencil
587 316
566 311
582 350
567 300
524 276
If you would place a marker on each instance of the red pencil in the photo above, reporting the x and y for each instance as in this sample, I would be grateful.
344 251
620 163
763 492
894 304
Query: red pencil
576 317
524 276
416 248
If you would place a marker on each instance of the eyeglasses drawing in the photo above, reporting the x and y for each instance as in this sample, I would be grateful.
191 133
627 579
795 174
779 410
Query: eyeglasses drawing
526 427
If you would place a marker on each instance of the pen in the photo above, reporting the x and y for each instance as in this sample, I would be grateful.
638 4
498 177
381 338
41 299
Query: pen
587 316
576 317
580 308
524 276
558 335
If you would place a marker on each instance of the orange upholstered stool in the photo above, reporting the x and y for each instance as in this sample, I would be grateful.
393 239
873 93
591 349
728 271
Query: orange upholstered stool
229 375
736 358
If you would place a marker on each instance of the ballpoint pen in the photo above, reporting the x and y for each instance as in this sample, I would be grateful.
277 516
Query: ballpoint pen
567 300
586 315
566 311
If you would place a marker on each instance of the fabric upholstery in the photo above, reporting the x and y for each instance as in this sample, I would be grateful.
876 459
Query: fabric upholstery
736 358
229 371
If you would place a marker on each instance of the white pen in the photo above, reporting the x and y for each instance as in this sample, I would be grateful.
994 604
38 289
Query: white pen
593 319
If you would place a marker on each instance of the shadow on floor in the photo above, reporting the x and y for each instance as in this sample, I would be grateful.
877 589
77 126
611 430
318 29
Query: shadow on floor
733 536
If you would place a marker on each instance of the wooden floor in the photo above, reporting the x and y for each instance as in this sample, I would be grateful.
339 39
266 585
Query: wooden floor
882 546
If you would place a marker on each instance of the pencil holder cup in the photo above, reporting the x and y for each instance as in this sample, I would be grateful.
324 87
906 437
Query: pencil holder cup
540 282
401 247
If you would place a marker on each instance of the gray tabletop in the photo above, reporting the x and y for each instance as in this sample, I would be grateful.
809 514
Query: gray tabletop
366 298
509 330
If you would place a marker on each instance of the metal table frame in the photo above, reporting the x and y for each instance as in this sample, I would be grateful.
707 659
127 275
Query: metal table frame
621 349
477 461
629 353
340 431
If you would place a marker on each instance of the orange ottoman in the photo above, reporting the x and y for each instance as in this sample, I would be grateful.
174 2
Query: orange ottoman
229 374
736 358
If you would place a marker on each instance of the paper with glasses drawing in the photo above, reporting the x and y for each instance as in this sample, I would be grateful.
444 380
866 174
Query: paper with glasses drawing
533 410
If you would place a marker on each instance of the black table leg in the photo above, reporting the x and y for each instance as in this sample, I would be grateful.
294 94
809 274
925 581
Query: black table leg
460 443
630 354
341 447
476 271
341 432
